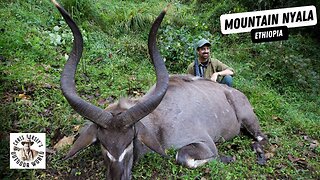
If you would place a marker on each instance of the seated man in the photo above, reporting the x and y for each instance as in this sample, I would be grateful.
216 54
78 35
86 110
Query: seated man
210 68
26 153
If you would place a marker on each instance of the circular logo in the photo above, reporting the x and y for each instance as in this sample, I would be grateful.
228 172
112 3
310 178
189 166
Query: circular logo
27 151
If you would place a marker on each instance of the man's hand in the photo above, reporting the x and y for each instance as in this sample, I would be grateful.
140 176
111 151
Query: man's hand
225 72
214 77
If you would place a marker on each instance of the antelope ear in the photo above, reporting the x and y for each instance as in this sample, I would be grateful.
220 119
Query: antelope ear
149 139
88 135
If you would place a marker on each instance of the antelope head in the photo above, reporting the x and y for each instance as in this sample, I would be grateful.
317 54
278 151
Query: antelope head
117 127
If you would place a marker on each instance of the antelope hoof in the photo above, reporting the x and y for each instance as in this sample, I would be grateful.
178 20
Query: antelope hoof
227 159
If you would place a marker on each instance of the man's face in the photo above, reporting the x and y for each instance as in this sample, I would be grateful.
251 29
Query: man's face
204 53
26 146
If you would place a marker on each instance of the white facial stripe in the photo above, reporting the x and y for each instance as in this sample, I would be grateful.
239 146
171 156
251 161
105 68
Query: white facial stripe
129 148
110 156
105 151
123 154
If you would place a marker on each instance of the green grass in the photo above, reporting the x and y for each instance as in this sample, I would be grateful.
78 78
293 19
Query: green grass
115 64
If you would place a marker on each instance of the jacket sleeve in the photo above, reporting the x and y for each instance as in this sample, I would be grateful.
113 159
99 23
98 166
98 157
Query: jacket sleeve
190 69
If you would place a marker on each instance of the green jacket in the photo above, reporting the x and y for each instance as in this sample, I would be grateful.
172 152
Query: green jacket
213 66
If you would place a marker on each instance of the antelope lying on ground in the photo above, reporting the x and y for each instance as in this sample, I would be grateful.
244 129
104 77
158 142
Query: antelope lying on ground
183 112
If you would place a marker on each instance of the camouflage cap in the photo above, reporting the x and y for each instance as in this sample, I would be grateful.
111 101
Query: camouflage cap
201 43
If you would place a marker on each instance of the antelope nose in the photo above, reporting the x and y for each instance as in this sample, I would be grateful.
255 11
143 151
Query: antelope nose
118 172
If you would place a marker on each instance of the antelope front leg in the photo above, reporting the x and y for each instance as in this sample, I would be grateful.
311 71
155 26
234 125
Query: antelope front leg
196 154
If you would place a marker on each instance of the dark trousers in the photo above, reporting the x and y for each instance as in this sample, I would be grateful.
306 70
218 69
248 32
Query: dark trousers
227 80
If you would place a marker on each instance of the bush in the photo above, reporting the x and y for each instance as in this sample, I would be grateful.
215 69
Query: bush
177 46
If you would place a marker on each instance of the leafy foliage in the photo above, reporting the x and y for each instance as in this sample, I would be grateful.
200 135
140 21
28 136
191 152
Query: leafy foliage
178 47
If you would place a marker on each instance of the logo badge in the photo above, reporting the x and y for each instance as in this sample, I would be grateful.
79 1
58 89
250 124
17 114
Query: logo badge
27 151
